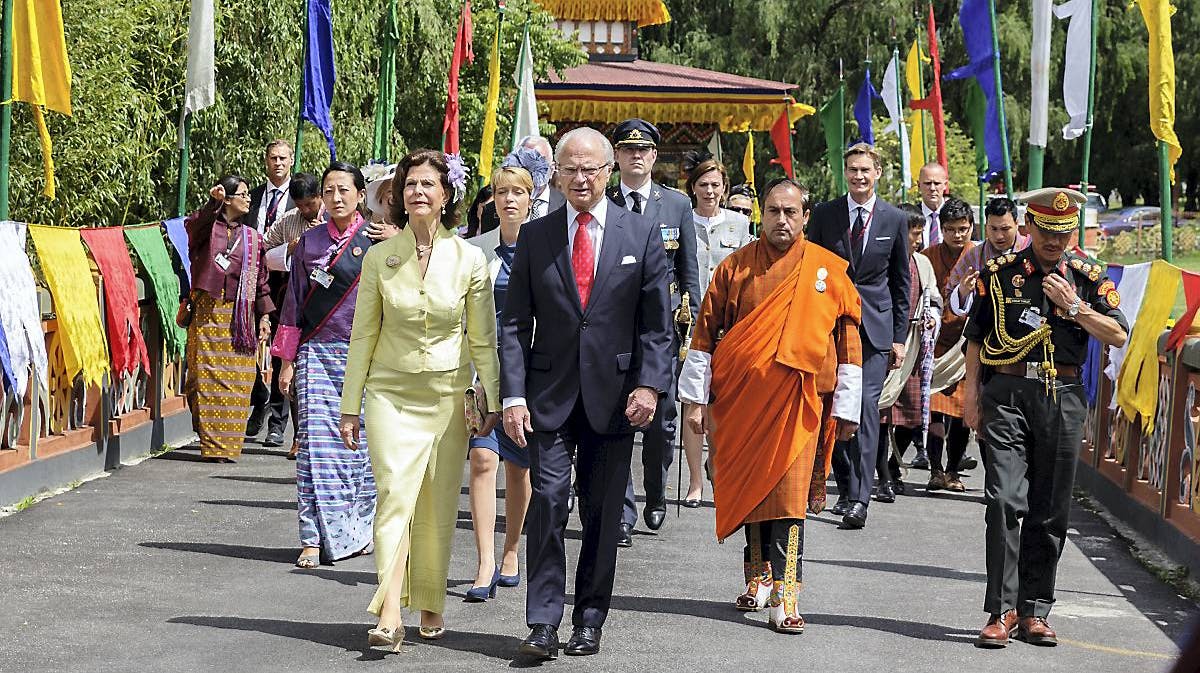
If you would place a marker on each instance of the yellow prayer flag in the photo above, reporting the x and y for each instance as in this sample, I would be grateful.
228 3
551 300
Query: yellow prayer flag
487 146
916 120
1137 382
1157 14
76 300
41 72
748 171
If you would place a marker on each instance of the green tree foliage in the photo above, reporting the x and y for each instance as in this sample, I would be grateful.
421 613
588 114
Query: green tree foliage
116 158
802 42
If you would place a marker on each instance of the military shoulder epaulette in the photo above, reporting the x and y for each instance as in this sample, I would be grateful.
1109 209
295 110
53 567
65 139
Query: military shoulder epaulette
1086 266
1000 261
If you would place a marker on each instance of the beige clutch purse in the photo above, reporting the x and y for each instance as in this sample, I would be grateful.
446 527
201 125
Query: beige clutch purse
475 406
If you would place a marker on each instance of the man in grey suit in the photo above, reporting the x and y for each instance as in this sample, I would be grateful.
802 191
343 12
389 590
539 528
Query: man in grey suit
873 236
636 143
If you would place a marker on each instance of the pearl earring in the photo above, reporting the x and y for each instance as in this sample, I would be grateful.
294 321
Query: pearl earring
443 209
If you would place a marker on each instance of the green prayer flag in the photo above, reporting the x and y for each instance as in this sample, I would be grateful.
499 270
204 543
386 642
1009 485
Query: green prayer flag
977 118
385 98
147 242
833 121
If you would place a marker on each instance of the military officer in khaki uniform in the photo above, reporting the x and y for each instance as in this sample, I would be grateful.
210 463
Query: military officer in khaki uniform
1026 340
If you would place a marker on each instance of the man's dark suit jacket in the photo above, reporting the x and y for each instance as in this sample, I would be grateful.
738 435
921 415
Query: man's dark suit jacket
256 198
881 276
670 209
622 340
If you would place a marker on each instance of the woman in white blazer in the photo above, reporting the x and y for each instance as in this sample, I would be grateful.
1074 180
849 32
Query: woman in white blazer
719 231
513 185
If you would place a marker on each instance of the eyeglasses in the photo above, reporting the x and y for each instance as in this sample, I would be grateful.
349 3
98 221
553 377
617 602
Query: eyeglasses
589 173
745 211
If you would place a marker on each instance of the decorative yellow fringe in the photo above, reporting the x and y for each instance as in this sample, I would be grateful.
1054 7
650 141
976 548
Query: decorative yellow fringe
731 117
644 12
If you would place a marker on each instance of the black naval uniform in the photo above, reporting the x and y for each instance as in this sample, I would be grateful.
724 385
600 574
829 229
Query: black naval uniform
1032 425
671 210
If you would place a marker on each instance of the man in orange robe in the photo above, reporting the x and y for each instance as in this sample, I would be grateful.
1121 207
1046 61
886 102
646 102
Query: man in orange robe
774 358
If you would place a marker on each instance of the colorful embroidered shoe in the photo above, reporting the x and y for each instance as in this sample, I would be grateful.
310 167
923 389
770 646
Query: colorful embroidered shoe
758 589
783 615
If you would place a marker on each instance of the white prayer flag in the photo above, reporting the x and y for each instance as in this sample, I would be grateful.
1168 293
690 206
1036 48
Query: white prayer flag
1077 67
200 89
891 100
526 121
1039 73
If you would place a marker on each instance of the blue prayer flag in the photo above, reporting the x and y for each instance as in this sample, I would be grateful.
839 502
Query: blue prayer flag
976 21
177 234
319 72
862 109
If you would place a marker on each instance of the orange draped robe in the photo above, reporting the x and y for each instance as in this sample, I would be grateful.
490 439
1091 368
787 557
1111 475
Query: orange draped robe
775 342
949 401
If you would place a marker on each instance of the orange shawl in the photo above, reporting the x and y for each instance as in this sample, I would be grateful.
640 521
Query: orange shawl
764 384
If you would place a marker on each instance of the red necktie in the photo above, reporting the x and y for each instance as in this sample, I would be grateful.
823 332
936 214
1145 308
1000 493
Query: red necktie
582 258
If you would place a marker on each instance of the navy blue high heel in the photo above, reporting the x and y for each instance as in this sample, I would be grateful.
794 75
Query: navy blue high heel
481 594
509 581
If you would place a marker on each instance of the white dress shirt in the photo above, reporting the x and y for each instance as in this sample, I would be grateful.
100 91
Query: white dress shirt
868 215
595 230
644 190
926 211
260 217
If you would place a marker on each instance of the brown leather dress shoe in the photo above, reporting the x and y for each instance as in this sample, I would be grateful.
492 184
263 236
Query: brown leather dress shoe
995 634
1035 631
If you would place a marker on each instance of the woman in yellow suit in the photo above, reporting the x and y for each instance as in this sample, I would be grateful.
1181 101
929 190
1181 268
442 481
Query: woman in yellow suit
411 356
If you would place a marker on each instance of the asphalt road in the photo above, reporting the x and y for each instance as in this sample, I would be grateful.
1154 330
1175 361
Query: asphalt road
180 565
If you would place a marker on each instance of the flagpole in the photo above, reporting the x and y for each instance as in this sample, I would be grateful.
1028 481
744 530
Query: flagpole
6 107
300 98
185 157
1008 181
1091 107
900 133
1165 209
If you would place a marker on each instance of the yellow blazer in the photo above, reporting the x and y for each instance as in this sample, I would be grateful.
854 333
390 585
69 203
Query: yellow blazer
411 325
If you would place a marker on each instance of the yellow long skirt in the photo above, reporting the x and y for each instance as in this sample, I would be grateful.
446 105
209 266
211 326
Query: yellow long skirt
220 379
417 436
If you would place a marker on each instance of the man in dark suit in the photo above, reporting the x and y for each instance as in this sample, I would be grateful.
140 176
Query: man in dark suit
636 143
268 202
585 336
873 236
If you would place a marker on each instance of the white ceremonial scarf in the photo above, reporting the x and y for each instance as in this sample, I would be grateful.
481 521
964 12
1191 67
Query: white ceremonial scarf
19 311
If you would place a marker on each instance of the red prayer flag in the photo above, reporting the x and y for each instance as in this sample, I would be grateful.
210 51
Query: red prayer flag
125 341
781 135
933 102
1191 292
462 50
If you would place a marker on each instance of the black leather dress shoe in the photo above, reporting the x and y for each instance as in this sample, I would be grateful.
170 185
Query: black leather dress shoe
968 463
541 643
839 508
856 516
884 492
254 424
625 537
655 517
584 640
274 438
899 487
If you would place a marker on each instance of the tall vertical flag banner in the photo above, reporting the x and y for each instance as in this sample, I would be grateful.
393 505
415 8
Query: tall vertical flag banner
200 86
916 120
462 52
41 73
977 109
714 147
748 171
975 19
1077 65
385 97
1039 79
525 121
488 144
862 107
833 122
781 136
894 103
1157 15
319 72
933 102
